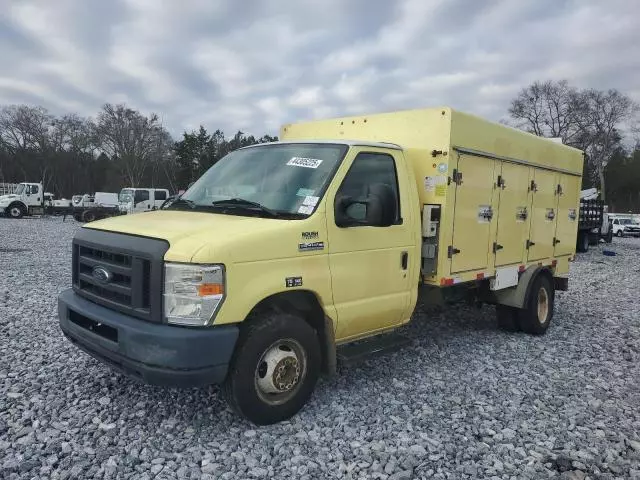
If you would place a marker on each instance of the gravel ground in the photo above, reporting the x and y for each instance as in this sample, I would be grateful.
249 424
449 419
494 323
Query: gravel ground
465 401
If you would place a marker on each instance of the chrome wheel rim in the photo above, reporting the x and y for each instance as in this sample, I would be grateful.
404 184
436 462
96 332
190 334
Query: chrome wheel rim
280 371
14 212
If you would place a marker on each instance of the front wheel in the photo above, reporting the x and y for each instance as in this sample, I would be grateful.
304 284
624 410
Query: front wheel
619 234
274 369
15 211
538 312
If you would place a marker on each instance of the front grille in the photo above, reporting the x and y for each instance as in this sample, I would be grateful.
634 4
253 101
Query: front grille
135 275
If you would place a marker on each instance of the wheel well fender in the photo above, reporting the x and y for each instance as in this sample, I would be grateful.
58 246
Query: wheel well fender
19 204
518 296
305 303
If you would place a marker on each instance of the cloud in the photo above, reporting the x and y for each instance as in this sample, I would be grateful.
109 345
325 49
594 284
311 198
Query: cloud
256 64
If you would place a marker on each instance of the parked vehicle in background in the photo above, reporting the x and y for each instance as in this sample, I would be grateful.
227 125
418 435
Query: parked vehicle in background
593 220
285 256
53 206
135 200
87 208
626 226
8 188
27 199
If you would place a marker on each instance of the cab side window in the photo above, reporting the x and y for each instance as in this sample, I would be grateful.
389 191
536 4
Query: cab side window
141 196
160 195
369 169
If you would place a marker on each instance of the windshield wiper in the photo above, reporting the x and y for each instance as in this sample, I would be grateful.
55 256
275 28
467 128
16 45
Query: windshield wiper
246 204
190 203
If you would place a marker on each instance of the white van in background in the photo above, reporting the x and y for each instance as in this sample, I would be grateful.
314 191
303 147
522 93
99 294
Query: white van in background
135 200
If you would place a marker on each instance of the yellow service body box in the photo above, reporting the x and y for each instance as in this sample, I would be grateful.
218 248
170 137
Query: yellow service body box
492 197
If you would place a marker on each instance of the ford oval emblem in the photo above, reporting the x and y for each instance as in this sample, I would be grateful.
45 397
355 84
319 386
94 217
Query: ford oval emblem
101 274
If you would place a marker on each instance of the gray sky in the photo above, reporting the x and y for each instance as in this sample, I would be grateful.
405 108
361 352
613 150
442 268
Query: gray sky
255 64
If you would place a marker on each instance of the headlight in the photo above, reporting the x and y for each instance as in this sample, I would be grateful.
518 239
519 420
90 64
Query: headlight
192 293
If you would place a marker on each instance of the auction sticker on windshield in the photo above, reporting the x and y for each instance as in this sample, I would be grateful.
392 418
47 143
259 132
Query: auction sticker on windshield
310 200
304 162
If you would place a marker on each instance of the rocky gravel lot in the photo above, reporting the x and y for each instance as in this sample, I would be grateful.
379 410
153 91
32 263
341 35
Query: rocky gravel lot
465 401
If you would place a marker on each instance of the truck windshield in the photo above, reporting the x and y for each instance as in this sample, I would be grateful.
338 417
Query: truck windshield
275 178
126 195
20 189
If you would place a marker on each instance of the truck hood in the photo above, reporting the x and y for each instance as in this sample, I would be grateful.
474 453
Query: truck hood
7 197
205 237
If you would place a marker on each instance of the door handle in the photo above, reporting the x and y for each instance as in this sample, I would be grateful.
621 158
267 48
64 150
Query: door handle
404 260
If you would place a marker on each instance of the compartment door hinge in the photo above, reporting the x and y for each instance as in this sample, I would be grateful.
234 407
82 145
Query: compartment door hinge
456 176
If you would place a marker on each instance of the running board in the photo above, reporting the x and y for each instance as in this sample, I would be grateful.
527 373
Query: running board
355 352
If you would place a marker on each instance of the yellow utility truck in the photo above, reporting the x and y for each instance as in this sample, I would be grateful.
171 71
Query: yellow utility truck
284 257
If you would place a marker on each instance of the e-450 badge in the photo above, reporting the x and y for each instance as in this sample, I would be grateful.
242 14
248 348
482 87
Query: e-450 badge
311 246
291 282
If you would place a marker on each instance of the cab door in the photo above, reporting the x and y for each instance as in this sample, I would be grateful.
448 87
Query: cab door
371 267
141 200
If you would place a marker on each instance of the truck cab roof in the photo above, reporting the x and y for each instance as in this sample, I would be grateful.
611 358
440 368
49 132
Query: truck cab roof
351 143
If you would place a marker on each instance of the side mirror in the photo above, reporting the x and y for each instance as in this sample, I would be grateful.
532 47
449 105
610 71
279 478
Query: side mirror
377 209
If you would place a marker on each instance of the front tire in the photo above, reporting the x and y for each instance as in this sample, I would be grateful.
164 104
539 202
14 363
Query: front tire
274 369
538 312
619 234
15 211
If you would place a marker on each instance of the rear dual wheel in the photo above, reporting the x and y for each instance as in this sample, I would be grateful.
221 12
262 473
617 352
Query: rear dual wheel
88 216
583 242
537 313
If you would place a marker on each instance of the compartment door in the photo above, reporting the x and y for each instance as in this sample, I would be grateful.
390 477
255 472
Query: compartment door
543 215
568 193
513 213
472 217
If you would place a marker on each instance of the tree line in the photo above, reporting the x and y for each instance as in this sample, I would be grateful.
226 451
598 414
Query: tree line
119 147
124 147
603 124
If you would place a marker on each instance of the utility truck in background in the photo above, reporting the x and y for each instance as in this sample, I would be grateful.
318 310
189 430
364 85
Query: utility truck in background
87 208
594 222
27 199
285 257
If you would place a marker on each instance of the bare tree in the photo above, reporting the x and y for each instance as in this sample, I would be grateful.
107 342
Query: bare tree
547 109
131 137
23 127
599 117
24 133
590 120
